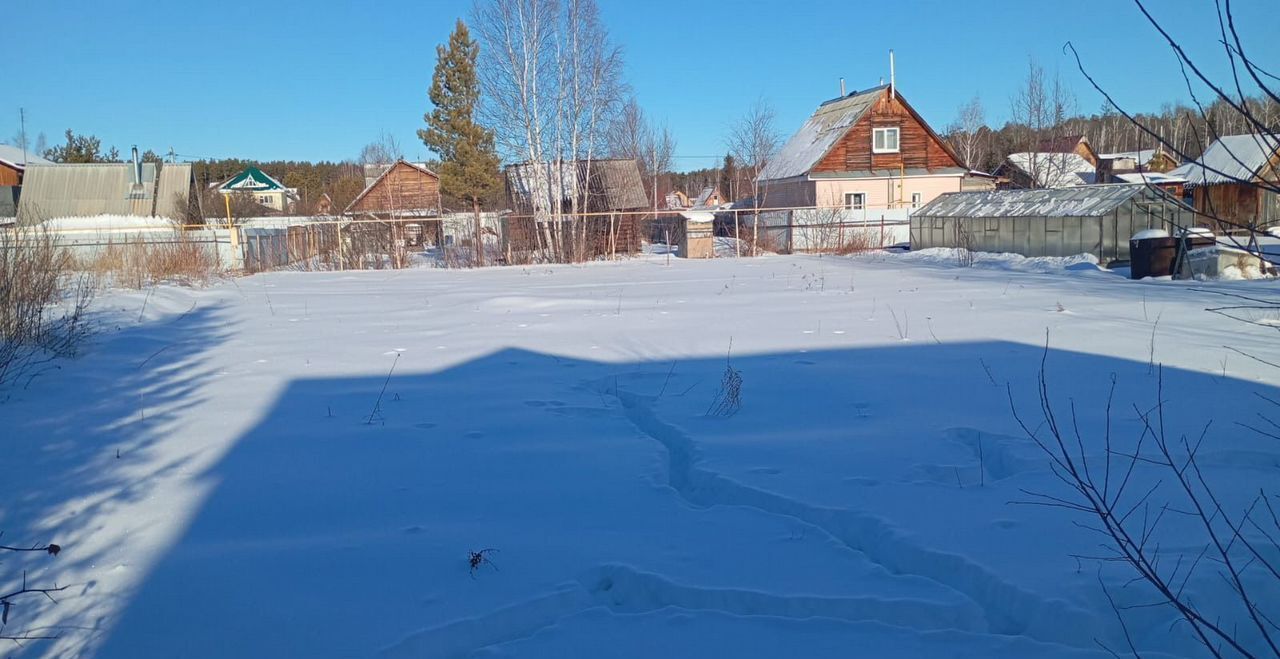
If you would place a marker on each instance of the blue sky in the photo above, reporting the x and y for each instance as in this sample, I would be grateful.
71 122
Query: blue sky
317 80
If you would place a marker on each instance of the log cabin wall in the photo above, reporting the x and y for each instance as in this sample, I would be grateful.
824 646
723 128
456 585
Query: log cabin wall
917 148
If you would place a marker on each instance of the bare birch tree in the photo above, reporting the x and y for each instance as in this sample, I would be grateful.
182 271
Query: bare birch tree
1041 107
968 135
551 78
382 151
753 141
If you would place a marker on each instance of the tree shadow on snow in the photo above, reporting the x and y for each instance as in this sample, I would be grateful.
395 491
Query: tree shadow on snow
80 440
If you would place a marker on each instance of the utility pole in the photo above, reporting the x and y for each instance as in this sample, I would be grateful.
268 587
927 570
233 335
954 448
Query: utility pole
22 130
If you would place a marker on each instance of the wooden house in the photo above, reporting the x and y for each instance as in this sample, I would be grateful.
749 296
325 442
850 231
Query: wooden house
13 163
1229 183
262 189
403 190
865 150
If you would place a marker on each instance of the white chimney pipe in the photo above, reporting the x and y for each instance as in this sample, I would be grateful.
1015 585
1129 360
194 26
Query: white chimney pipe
893 83
842 88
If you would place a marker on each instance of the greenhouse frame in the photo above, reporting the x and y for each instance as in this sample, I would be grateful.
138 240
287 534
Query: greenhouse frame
1088 219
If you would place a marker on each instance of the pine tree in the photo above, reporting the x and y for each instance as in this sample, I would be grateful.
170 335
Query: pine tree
469 168
729 179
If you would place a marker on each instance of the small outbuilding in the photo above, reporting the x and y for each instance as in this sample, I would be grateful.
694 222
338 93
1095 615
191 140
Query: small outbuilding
1093 219
85 190
1233 185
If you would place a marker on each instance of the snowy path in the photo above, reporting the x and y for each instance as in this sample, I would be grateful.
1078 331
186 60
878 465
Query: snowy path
210 468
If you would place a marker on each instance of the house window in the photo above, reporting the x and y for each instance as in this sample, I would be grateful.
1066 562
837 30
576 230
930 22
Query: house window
884 140
916 199
265 200
855 201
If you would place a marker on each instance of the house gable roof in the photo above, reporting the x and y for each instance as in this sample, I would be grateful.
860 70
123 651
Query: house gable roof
385 173
252 179
822 131
828 126
1230 159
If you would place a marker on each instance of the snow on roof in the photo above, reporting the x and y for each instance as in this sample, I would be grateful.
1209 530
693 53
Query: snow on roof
821 132
1082 201
1054 170
1142 156
15 157
1154 178
109 222
1230 159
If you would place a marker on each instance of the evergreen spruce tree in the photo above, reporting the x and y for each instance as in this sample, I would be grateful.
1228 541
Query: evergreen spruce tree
729 179
469 167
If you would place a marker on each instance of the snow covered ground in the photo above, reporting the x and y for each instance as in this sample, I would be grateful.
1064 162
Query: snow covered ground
225 482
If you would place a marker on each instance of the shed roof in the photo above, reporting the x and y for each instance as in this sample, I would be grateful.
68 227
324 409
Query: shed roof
1154 178
1054 170
15 157
1142 156
173 190
819 134
78 190
612 185
1083 201
1230 159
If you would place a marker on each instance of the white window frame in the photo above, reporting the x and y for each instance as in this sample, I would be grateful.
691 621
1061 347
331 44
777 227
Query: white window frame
855 201
917 199
880 136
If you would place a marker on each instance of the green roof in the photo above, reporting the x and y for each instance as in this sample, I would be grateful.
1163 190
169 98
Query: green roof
253 179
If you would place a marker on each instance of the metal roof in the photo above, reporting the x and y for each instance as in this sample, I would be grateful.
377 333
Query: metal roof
1230 159
1142 156
16 158
1154 178
1054 170
252 179
815 138
80 190
613 185
1082 201
173 190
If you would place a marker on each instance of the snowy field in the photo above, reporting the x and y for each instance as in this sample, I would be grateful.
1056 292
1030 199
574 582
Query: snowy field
224 481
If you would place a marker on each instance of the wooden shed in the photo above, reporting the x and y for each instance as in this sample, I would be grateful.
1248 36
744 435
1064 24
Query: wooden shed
1093 219
1234 184
404 190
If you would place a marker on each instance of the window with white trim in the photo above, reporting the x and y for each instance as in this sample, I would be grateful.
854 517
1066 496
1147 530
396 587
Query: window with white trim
855 201
916 199
884 140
